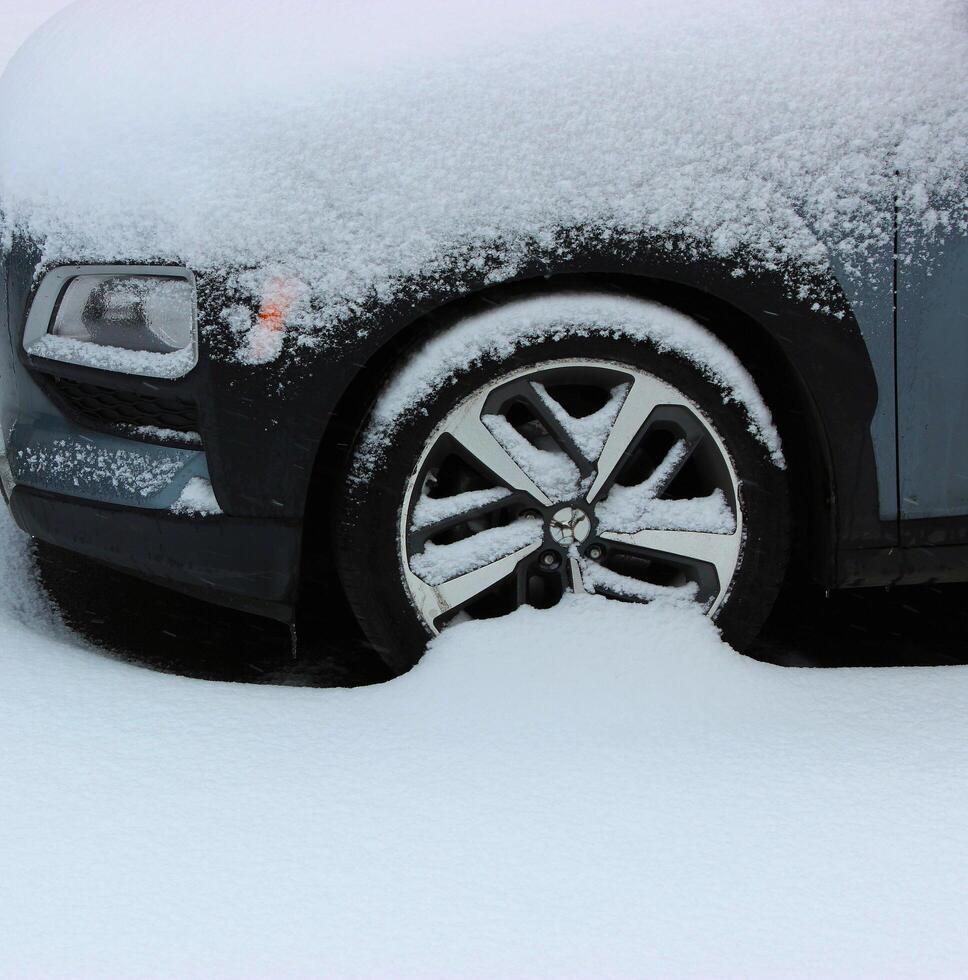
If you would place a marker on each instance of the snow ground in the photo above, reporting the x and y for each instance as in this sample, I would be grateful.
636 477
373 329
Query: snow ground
544 795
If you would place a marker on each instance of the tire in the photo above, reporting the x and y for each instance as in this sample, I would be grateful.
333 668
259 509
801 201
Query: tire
378 553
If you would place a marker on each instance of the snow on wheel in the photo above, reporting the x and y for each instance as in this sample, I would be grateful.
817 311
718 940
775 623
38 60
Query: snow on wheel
595 464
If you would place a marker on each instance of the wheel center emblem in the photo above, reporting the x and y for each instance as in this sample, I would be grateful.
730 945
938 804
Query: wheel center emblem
570 526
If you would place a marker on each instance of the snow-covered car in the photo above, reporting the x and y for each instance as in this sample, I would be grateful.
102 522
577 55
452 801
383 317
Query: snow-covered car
456 307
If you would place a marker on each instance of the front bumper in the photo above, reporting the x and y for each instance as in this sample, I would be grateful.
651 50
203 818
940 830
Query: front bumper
97 463
245 563
111 499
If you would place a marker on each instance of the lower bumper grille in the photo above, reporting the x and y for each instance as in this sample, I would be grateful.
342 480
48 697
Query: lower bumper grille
110 407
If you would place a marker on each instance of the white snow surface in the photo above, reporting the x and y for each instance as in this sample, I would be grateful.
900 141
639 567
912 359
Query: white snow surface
630 509
604 790
430 510
198 499
591 432
597 579
355 144
551 469
502 331
439 563
107 358
170 435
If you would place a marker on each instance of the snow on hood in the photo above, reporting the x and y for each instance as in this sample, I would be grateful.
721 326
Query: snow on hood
354 143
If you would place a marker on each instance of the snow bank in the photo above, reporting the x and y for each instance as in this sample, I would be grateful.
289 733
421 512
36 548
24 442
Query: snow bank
600 790
353 145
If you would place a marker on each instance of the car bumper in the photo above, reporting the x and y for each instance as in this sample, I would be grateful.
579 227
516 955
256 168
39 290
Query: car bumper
244 563
115 500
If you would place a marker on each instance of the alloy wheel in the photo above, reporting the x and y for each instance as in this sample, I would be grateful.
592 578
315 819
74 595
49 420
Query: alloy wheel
571 475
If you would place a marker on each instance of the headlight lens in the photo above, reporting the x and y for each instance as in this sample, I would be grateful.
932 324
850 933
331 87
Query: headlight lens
154 314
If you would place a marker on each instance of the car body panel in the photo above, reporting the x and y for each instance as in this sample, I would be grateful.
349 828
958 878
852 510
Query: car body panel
94 501
871 298
932 367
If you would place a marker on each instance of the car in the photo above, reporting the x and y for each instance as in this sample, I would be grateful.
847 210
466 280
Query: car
280 335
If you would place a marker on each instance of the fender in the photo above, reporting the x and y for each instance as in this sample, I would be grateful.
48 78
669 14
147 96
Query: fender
814 369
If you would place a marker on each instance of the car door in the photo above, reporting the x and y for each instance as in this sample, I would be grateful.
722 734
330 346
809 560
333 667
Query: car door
932 381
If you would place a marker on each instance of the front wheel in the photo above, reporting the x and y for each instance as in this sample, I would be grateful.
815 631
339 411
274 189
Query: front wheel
587 464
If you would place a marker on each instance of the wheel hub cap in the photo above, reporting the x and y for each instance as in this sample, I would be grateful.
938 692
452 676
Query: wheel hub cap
569 526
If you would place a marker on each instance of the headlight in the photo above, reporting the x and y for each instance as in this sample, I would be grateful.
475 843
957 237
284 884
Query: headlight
136 320
131 312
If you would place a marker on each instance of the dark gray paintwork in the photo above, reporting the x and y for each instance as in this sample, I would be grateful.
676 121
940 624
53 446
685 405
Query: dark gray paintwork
871 297
932 366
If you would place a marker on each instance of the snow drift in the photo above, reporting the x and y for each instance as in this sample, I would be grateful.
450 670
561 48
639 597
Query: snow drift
598 790
357 145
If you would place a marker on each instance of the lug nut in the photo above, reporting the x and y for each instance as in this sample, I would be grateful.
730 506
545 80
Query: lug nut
596 552
551 559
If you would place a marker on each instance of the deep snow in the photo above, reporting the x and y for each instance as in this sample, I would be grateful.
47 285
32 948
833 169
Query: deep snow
596 791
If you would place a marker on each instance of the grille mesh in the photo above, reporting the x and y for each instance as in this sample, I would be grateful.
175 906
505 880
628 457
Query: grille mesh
108 406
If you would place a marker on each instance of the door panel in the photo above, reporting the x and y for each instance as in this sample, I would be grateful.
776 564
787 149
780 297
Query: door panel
933 373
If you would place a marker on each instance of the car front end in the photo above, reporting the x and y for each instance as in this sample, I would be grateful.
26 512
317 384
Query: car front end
108 437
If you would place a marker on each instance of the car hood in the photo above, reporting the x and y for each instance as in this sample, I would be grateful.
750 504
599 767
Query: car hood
353 145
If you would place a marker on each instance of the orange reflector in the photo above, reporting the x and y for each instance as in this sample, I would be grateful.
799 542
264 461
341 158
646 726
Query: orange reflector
277 300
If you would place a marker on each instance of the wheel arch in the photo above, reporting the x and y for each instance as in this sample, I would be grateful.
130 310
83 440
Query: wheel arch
784 344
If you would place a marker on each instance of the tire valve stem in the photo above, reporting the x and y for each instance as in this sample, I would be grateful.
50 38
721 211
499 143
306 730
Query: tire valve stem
596 552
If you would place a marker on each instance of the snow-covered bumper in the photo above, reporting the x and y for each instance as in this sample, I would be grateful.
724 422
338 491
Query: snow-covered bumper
117 501
130 504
